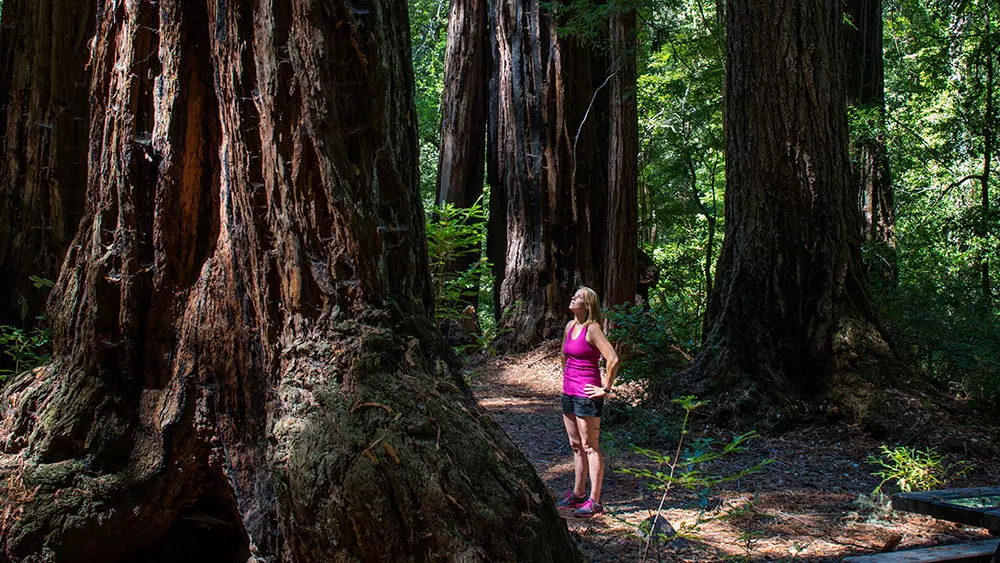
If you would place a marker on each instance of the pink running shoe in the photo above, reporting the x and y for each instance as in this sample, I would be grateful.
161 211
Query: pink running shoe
570 501
588 509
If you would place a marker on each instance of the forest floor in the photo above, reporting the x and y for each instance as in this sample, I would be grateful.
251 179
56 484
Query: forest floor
803 506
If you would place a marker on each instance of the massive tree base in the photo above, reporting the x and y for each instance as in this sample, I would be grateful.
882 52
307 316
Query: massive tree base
374 451
867 384
742 388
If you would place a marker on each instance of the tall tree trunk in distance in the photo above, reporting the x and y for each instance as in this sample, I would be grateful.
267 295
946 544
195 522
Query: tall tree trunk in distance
496 228
866 92
244 360
463 109
463 124
986 285
621 276
789 310
43 144
549 163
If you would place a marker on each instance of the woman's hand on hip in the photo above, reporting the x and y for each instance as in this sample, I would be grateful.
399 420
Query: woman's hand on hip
594 392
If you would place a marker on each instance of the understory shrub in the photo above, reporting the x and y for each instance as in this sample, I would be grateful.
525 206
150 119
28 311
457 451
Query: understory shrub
454 235
646 340
947 334
27 349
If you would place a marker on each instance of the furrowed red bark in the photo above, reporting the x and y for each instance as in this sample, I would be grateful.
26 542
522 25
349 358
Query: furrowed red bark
462 153
789 316
463 109
621 274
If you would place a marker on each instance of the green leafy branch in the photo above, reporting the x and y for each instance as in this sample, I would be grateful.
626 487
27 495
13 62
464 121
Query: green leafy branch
683 465
26 348
915 470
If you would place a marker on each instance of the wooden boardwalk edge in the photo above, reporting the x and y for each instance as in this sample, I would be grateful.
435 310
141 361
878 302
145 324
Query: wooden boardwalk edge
973 551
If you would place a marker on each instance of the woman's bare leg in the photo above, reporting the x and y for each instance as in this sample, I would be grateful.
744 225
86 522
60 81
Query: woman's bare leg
580 469
589 429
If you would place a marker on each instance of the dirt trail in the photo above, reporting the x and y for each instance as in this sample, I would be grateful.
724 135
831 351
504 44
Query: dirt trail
800 507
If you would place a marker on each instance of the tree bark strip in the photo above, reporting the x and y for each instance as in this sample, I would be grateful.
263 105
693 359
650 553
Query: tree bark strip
621 275
986 286
241 328
463 109
462 153
43 120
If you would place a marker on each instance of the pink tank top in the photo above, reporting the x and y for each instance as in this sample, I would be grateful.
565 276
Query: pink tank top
581 364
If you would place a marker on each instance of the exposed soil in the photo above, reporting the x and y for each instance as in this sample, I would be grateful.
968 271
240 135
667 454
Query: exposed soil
802 506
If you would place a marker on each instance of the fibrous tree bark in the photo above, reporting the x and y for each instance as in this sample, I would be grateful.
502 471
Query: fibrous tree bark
869 159
621 274
462 153
244 361
789 311
43 147
548 171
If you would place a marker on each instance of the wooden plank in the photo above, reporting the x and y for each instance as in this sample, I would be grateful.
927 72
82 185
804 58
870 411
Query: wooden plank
973 551
943 504
944 494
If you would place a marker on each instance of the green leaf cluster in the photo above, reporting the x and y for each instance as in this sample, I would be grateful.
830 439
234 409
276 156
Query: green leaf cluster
456 235
935 304
697 455
911 469
682 155
654 352
27 348
429 34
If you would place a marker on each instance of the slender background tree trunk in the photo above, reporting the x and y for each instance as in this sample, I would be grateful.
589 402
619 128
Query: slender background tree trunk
241 327
986 286
621 276
43 147
463 131
463 109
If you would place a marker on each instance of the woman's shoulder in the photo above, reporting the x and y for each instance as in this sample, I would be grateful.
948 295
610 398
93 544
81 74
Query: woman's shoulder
594 332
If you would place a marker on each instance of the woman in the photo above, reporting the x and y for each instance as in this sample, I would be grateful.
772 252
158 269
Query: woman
583 399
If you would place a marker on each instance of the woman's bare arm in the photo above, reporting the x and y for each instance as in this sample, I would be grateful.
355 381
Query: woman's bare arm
596 337
562 355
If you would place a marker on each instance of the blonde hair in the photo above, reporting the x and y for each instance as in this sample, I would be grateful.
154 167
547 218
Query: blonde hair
593 303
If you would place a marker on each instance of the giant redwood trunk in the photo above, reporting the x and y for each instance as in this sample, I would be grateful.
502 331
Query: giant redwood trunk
244 362
550 189
621 274
866 93
789 315
43 144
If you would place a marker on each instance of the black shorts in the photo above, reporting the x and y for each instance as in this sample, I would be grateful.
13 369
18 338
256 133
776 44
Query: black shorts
582 406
